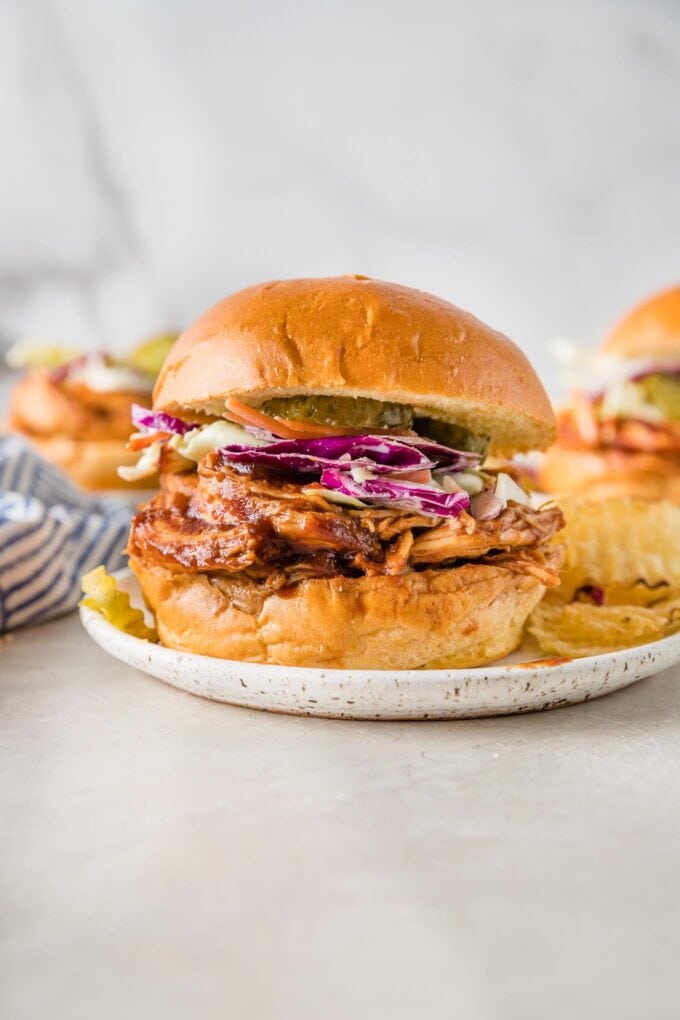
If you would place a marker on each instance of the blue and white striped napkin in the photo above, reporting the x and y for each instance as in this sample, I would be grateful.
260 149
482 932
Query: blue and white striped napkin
50 535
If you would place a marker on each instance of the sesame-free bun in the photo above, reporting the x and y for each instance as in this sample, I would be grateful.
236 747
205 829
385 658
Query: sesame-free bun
354 336
651 330
604 473
465 616
91 463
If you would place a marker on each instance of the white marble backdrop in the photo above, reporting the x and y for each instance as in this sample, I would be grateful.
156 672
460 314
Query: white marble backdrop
521 158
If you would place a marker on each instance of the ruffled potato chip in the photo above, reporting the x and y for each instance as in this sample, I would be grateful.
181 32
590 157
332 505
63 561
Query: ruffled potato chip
621 544
621 581
105 597
641 593
578 629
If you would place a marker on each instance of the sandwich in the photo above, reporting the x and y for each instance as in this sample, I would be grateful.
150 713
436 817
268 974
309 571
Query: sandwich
620 432
75 408
324 500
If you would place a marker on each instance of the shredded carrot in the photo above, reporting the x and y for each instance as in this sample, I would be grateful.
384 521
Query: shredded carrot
424 475
308 430
141 442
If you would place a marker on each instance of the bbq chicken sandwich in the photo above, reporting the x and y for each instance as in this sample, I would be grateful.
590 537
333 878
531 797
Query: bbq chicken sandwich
620 432
75 408
324 500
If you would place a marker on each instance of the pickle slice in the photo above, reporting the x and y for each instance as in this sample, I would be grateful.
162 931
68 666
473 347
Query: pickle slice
454 436
352 412
664 392
104 596
364 412
149 355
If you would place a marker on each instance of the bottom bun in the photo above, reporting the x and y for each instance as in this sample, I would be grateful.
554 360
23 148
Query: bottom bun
464 616
605 473
91 463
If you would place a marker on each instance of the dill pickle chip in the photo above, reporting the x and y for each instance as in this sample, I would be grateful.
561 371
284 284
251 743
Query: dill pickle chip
352 412
29 355
106 598
151 353
454 436
664 392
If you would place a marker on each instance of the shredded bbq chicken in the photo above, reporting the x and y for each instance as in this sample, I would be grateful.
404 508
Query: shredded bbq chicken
251 532
516 527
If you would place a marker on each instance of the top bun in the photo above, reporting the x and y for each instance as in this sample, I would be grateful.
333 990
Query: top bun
651 330
354 336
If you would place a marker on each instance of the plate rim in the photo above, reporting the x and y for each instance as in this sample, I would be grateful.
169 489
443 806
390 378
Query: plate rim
490 672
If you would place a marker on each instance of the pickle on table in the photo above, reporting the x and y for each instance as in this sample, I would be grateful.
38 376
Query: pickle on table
352 412
664 392
454 436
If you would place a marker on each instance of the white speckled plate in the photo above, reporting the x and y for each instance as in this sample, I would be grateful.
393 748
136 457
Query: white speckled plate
521 683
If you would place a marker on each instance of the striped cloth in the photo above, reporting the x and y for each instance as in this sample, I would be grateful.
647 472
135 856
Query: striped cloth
50 535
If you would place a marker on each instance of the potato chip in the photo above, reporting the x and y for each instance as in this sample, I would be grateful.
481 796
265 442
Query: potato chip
640 594
621 544
621 582
579 629
105 597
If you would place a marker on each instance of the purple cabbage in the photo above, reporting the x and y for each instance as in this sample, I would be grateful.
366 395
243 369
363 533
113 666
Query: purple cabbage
591 592
444 456
381 454
333 457
301 463
310 456
143 418
62 372
406 495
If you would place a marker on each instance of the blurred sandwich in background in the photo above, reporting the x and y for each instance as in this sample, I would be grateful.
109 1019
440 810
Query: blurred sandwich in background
619 434
75 408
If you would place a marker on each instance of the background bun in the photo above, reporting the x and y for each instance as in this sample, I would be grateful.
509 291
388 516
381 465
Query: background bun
651 330
359 337
604 473
466 616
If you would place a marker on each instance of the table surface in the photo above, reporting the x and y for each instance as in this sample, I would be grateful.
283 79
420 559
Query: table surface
164 856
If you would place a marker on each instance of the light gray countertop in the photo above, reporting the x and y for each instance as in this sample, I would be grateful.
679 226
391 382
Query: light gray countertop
164 856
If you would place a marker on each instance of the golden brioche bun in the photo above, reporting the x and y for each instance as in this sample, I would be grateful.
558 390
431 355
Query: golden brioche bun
354 336
466 616
604 473
651 330
91 463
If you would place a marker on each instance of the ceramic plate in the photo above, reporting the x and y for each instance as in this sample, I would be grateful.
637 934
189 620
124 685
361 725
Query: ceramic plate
520 683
